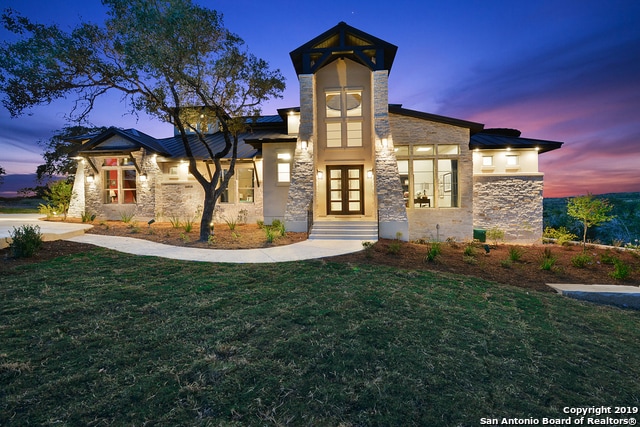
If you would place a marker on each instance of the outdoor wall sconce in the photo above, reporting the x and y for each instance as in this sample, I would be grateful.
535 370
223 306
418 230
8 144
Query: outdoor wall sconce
369 174
90 178
385 142
320 174
304 145
143 177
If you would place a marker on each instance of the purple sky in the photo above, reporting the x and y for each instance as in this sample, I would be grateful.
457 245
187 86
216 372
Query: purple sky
563 70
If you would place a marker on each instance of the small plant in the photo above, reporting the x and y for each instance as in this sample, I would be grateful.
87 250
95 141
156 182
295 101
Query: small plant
470 259
469 250
134 228
581 260
433 251
548 260
561 235
394 247
231 222
211 240
185 237
187 225
607 258
270 234
47 210
260 223
87 216
515 254
368 249
621 271
506 263
496 235
175 221
127 215
26 241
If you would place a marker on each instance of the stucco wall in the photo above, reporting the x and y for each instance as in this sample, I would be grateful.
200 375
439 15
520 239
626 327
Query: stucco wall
511 203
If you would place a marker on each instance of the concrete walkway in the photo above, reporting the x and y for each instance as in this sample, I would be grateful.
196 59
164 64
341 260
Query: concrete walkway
51 230
621 296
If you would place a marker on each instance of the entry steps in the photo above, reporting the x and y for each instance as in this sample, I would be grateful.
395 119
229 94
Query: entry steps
345 230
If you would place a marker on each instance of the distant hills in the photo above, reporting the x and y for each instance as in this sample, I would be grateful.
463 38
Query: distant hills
12 183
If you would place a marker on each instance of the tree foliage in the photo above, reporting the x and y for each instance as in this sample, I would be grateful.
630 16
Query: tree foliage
57 150
165 57
590 211
2 172
58 195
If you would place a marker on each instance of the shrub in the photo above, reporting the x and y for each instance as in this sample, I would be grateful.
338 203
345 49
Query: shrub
394 247
621 271
548 260
47 210
515 254
127 215
433 251
368 249
87 216
58 194
581 260
269 234
607 258
26 241
495 234
506 263
469 250
561 235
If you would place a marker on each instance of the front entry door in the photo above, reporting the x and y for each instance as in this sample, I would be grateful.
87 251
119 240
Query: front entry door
345 190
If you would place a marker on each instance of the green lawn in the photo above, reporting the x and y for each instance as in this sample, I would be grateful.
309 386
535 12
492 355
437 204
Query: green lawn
111 339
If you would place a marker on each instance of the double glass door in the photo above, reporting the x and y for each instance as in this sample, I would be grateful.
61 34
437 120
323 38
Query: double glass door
345 190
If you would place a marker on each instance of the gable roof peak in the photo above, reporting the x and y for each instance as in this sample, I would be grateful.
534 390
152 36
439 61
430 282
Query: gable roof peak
343 41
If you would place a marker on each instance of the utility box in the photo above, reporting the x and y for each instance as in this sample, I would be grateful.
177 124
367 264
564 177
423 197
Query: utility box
480 234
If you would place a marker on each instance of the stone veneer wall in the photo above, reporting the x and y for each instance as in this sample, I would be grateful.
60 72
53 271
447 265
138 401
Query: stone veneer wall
433 223
392 214
302 174
511 203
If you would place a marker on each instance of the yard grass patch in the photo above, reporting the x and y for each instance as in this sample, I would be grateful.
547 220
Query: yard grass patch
108 338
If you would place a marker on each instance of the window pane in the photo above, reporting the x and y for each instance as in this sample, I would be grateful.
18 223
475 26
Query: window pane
423 188
487 160
402 150
354 103
129 186
334 108
112 161
354 134
448 183
245 185
423 150
448 149
334 135
284 172
110 185
512 160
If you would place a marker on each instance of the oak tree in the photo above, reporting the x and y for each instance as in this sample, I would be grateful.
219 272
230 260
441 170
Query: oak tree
165 57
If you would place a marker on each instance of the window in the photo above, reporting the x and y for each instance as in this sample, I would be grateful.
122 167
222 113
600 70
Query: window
283 166
429 174
487 160
241 186
343 112
119 183
512 161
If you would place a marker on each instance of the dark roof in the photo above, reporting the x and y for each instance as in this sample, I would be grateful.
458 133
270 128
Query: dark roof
343 41
139 139
472 126
492 141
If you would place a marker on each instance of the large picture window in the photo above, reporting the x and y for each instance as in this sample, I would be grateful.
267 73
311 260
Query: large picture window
429 175
119 181
343 115
241 188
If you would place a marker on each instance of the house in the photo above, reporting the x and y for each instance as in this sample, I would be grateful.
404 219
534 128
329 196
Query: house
344 162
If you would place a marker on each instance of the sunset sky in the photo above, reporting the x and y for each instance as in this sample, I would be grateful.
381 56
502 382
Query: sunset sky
562 70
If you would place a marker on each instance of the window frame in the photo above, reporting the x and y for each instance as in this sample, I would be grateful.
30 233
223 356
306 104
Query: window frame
443 183
343 121
119 194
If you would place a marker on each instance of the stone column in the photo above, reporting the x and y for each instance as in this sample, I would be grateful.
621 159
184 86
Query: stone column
301 190
392 213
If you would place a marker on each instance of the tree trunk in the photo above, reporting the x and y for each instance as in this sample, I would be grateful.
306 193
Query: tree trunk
206 223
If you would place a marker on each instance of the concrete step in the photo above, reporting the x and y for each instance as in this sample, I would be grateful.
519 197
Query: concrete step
345 230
